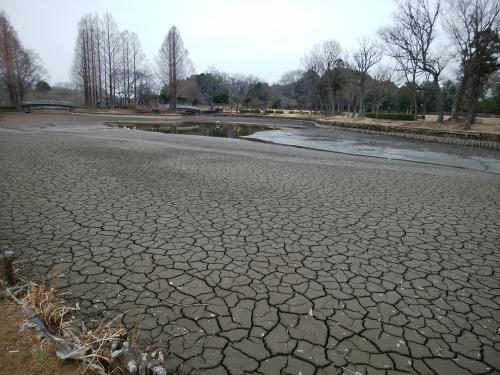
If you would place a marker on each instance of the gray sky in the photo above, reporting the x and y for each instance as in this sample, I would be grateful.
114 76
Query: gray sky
263 38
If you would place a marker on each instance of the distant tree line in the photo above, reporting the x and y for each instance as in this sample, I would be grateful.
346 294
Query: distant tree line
401 70
405 68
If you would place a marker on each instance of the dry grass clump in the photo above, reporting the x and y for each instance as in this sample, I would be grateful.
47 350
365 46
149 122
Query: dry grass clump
100 341
45 302
92 347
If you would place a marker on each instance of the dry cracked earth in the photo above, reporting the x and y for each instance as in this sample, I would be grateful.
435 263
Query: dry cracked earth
247 258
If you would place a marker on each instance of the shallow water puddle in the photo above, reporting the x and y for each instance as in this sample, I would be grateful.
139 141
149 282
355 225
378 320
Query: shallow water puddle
384 147
209 130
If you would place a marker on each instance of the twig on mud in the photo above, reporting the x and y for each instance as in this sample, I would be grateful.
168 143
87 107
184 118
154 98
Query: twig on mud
182 304
178 335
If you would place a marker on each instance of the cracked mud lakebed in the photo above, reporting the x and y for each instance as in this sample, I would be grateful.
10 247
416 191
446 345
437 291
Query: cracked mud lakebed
243 257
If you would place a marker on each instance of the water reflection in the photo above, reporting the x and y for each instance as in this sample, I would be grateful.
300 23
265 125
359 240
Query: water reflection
209 129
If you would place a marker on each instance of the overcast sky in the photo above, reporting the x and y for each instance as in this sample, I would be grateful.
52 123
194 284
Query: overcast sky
263 38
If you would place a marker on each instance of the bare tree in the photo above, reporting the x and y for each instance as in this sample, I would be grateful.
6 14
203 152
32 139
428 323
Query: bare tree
365 58
83 67
408 69
173 63
291 77
108 64
382 85
289 82
473 27
413 37
126 70
9 49
19 68
28 71
138 61
88 61
215 79
238 88
145 86
321 62
130 65
111 55
406 55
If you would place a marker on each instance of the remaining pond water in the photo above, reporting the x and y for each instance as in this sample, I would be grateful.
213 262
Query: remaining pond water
207 129
383 146
348 142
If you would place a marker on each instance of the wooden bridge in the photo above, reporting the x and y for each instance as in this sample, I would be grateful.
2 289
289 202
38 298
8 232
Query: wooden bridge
47 103
188 109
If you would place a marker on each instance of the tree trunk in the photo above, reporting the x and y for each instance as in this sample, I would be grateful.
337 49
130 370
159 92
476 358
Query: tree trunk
99 67
105 83
330 105
173 96
439 100
415 104
93 78
111 79
111 96
457 99
12 95
134 77
354 107
362 95
471 115
473 102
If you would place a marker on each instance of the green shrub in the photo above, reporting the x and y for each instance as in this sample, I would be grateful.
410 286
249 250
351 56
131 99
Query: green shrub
156 110
278 112
268 111
391 116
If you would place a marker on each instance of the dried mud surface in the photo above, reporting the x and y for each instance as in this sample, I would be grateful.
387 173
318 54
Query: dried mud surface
241 257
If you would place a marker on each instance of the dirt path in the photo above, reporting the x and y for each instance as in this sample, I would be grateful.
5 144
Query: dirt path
21 350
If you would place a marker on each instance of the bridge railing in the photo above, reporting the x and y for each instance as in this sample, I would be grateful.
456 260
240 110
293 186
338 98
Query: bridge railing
183 107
